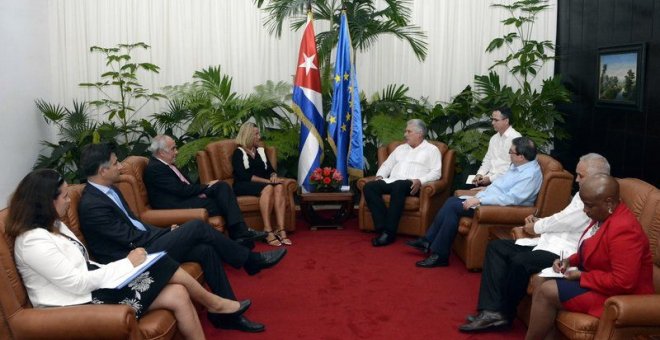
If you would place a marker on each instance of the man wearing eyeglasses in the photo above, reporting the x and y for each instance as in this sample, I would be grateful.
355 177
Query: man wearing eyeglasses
496 161
168 188
518 186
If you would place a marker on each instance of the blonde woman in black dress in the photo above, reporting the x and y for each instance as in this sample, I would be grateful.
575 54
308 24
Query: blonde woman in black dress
255 176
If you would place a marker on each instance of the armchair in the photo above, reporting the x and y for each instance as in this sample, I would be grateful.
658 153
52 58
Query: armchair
418 212
134 191
625 316
472 237
21 321
214 162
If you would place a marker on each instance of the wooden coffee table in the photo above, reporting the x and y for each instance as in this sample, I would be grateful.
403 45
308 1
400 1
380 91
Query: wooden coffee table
343 199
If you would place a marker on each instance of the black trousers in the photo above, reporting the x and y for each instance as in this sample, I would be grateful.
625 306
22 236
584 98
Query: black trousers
221 201
506 272
199 242
386 219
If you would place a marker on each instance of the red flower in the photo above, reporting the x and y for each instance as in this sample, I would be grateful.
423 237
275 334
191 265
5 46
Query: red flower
327 171
326 180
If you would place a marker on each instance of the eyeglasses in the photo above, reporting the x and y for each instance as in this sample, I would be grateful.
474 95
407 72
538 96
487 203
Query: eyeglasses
511 152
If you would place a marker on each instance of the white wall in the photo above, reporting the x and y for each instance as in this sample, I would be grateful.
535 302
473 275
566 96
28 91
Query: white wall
24 76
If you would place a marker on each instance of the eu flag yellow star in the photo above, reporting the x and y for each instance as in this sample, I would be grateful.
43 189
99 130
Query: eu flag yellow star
337 78
343 127
345 76
332 119
348 116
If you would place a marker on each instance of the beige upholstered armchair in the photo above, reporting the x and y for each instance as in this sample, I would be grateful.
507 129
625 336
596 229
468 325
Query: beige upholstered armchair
472 237
419 211
214 162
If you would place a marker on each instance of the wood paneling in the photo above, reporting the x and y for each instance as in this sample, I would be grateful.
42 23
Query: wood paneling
629 139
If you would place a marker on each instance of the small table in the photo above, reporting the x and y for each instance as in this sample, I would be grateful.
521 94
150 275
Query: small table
344 199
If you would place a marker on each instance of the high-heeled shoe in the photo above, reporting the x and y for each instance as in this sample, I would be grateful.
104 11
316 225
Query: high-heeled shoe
272 239
244 305
281 235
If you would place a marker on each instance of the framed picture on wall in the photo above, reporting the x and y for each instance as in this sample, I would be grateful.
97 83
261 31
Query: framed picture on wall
621 76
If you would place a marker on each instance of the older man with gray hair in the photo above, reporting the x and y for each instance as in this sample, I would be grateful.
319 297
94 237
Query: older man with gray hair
509 264
408 167
168 188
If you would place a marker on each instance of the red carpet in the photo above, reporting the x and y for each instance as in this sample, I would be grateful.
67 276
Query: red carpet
334 285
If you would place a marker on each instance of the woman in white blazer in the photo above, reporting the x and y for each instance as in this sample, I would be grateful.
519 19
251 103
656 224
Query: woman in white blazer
56 269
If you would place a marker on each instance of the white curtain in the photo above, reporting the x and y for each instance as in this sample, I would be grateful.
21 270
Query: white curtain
187 35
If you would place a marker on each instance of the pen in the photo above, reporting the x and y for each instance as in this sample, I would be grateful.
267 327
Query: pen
561 261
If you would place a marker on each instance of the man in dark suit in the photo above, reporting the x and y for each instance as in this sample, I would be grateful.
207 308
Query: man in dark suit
168 188
112 231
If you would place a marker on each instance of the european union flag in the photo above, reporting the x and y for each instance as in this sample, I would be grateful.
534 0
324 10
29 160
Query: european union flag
345 117
307 104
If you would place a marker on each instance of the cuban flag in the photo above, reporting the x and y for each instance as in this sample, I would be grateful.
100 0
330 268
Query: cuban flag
345 116
307 104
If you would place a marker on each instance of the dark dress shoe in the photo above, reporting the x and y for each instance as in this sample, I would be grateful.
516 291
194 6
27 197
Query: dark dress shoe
472 317
433 260
240 323
486 320
251 235
258 261
382 240
249 244
420 244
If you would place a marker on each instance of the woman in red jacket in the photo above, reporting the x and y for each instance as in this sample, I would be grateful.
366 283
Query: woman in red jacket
613 258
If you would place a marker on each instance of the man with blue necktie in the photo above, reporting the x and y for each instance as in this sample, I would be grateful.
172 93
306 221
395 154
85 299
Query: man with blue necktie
112 231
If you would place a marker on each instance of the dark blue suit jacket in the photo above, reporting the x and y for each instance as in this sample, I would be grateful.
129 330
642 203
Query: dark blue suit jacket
109 233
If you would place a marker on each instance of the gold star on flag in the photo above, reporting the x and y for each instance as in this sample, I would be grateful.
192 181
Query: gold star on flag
343 127
350 89
337 78
332 119
345 76
348 116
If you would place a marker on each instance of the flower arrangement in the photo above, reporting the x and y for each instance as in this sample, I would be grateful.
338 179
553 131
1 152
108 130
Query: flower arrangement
326 179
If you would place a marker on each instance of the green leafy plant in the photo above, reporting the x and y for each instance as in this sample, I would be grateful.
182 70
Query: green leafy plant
122 96
208 109
75 128
365 21
534 111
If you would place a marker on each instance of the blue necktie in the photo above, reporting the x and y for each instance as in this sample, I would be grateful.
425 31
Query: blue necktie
137 224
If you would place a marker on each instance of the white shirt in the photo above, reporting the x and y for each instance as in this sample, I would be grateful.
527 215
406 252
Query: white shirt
497 160
561 231
54 270
423 162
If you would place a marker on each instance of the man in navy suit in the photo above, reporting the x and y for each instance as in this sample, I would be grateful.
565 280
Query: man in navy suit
112 230
168 188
